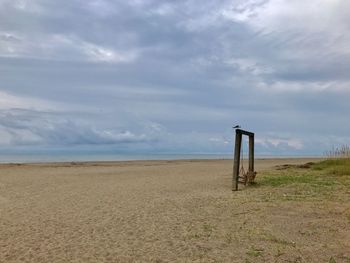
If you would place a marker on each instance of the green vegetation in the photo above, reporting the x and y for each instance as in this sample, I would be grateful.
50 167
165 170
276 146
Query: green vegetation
270 237
294 208
338 167
312 180
255 252
339 152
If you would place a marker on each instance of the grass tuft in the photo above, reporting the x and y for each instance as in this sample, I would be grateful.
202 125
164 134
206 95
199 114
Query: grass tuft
255 252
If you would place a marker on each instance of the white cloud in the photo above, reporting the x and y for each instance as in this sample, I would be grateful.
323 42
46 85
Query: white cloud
28 127
291 86
222 140
8 101
243 11
98 53
300 87
310 26
60 47
293 143
121 137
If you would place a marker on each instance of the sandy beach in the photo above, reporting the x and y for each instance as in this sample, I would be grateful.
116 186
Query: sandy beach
154 211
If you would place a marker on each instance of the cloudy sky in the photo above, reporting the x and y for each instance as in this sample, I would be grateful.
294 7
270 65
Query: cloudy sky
174 76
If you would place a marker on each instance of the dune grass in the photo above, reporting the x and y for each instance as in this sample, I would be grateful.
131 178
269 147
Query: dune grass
326 179
337 167
342 151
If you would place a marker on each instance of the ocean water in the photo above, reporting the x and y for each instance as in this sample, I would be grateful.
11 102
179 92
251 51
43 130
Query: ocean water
84 157
46 158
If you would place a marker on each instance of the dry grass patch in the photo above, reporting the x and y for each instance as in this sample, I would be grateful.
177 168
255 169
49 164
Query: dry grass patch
305 208
324 180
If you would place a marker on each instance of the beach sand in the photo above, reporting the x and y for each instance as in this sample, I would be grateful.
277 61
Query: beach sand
154 211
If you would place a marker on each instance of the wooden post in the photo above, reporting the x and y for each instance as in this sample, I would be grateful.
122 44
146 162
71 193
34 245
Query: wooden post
251 153
237 158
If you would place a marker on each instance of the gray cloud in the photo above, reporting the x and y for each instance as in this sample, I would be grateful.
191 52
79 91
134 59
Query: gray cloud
105 72
25 127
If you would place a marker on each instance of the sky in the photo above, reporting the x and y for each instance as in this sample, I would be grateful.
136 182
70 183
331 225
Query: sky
147 76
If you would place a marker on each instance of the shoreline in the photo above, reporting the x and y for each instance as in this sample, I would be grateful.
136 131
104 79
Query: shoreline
67 158
260 163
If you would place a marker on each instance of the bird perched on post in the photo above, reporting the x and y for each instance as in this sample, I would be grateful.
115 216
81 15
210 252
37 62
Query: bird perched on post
236 127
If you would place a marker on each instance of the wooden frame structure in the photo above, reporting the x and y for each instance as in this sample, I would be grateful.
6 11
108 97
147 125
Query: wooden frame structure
250 175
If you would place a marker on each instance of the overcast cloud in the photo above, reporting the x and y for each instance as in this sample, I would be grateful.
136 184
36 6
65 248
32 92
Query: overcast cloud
174 76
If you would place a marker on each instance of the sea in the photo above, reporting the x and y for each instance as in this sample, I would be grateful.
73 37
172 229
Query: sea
68 157
49 158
